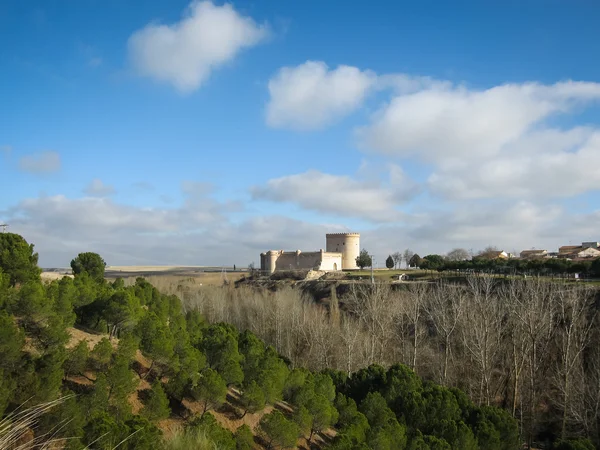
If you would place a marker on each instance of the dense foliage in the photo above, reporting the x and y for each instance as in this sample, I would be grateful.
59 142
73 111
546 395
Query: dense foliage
364 259
154 350
549 266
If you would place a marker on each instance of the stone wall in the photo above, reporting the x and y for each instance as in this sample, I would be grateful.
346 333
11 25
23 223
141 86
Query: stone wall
298 260
331 261
277 260
346 243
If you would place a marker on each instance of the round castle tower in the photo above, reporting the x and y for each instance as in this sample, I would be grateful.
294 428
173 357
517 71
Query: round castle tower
348 244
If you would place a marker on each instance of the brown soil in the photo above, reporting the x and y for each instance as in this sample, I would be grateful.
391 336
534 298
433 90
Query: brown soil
92 338
228 415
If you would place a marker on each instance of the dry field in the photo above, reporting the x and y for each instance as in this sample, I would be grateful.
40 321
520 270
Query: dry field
162 277
163 274
51 276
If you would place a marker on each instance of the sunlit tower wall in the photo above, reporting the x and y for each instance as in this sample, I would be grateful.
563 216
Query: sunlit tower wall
348 244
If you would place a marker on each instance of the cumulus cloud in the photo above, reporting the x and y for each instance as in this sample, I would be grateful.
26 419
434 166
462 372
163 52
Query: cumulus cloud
490 143
508 225
97 188
185 53
311 95
533 172
61 227
39 163
198 232
449 123
341 195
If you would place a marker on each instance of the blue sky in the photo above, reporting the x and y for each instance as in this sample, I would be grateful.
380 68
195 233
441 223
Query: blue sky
203 133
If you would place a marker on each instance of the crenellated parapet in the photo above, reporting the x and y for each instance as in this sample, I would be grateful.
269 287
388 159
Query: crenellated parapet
340 253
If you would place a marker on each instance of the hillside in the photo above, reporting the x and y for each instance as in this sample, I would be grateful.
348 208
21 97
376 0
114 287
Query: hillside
228 415
249 367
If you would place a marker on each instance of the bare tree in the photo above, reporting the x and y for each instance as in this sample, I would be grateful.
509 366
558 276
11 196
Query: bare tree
522 343
533 308
488 252
444 307
408 254
373 305
517 340
575 319
587 395
397 257
413 308
482 329
458 254
351 338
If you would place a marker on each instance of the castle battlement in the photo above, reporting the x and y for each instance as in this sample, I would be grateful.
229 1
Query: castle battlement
341 252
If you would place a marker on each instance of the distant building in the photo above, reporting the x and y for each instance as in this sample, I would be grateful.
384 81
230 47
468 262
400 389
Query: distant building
533 254
495 254
588 252
590 244
579 251
567 250
342 251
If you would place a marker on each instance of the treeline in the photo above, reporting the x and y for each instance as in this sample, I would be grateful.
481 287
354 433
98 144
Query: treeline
528 346
545 266
193 360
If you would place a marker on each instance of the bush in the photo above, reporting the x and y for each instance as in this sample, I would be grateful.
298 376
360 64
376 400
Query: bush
244 439
209 426
157 405
277 430
574 444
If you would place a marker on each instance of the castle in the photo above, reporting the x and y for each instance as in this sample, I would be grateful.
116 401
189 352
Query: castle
341 251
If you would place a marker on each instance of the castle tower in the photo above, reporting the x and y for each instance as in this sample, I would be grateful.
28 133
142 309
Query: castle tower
268 261
348 244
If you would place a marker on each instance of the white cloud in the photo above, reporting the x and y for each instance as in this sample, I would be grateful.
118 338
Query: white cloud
61 227
545 169
508 225
196 233
492 143
44 162
185 53
97 188
445 124
310 95
342 195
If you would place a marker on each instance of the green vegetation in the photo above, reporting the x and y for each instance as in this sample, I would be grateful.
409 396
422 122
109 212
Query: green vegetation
185 357
90 264
279 431
18 261
157 405
414 261
482 263
364 259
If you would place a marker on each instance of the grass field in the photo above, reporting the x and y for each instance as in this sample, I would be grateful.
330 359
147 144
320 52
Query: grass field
391 275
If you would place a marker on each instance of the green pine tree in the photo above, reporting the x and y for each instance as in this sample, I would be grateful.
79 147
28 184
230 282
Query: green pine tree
156 406
252 399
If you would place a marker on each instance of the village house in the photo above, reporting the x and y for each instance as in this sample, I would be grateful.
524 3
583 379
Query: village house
578 251
533 254
496 254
